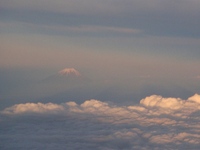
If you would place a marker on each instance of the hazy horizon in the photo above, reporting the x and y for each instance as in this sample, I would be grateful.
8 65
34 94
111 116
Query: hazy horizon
132 79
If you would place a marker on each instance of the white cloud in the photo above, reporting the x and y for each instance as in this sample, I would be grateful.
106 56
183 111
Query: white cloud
152 105
33 108
159 101
195 98
156 122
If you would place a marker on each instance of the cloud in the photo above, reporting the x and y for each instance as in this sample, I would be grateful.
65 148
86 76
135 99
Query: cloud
105 29
33 108
155 17
88 6
155 103
74 29
92 29
155 122
195 98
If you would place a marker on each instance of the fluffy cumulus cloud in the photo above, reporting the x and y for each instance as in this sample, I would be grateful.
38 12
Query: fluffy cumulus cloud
155 123
33 108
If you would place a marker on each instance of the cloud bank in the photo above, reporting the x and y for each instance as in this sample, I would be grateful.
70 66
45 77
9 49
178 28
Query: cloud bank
170 123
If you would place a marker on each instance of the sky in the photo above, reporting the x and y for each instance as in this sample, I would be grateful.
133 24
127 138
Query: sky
125 51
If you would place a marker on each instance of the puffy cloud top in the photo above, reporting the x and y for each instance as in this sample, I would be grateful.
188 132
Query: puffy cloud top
159 101
159 121
195 98
155 102
33 108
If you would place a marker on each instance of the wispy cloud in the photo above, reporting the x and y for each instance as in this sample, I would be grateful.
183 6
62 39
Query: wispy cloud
155 17
104 29
92 29
58 29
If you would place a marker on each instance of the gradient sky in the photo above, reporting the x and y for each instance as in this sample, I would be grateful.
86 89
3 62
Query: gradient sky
140 79
128 42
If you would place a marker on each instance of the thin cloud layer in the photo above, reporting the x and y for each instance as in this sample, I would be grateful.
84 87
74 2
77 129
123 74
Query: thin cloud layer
102 6
155 17
156 122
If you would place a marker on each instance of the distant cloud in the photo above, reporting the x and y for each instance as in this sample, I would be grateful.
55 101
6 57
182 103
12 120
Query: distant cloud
91 29
165 122
155 17
96 6
33 108
105 29
74 29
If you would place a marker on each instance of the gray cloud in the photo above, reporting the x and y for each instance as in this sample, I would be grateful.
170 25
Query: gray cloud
156 123
154 17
